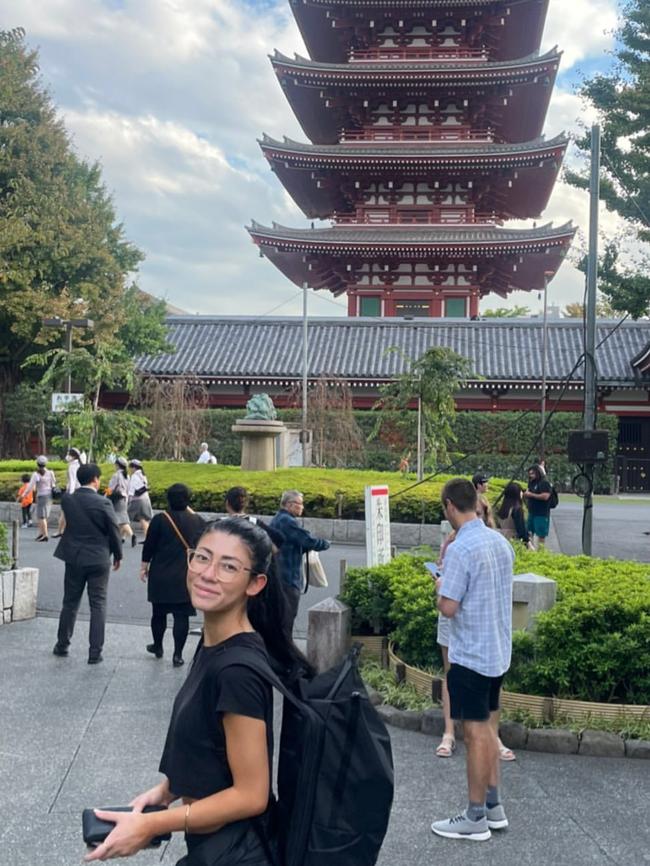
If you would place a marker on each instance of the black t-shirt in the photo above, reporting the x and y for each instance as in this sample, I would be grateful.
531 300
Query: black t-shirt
194 758
539 507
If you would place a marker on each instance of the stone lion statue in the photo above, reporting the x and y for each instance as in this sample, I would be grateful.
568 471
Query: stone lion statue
260 408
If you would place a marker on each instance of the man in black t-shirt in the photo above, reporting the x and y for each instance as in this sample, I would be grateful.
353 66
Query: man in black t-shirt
539 511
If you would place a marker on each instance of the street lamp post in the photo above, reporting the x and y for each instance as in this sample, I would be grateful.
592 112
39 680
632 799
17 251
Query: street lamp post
68 324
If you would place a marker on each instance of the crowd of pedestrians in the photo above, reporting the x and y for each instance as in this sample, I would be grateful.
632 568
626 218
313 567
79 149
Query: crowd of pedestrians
246 577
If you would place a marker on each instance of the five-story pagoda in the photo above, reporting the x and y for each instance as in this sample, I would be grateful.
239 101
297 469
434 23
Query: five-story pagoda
426 119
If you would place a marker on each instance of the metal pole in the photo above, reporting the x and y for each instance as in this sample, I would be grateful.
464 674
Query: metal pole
68 348
304 375
544 353
420 456
590 328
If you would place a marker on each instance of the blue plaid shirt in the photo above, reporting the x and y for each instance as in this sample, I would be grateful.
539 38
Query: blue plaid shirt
477 572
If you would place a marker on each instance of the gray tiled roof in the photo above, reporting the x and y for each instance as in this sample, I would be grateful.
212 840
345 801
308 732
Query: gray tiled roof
431 149
396 235
245 348
487 68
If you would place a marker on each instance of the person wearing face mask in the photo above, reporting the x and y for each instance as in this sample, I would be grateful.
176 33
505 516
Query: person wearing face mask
43 484
73 459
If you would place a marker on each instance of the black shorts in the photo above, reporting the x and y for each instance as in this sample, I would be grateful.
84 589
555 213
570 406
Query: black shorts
472 697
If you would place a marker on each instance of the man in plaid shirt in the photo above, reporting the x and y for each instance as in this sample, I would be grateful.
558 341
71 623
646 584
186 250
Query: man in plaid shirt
475 592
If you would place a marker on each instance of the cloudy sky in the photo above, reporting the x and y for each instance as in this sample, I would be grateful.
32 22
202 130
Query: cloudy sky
171 95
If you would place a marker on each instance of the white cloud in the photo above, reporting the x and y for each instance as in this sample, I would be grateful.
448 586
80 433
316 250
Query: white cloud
581 28
171 95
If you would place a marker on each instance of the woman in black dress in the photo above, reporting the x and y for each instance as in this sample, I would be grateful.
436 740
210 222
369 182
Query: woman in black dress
164 567
219 748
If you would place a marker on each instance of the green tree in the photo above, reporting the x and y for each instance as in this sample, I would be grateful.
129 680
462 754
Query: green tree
26 409
604 309
621 97
507 313
62 251
432 379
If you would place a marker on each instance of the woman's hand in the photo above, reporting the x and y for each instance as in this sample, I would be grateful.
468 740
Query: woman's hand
130 835
159 795
144 572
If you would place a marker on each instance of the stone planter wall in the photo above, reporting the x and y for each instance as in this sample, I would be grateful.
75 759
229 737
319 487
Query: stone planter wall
18 591
557 741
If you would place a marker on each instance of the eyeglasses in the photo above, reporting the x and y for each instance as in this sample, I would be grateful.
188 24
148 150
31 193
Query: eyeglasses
226 570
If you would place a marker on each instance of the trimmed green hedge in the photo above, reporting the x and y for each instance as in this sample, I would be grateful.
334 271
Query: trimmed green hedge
593 645
496 441
328 492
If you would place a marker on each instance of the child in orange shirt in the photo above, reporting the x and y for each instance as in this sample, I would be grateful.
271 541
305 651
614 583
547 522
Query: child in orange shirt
26 501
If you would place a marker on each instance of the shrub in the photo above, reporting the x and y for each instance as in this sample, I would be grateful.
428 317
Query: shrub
593 645
328 492
5 557
494 441
396 599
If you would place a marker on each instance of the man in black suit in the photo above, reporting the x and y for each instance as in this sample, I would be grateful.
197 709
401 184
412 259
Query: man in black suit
91 536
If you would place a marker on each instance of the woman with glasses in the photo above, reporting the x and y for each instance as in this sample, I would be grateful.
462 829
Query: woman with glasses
218 755
164 568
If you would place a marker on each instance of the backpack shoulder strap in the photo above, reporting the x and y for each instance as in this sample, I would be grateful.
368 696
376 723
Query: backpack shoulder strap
180 535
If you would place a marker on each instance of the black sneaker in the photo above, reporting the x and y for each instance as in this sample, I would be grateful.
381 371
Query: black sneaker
60 650
156 651
95 660
178 660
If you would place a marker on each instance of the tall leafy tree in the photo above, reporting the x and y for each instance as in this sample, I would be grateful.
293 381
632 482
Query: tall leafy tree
432 379
622 100
62 251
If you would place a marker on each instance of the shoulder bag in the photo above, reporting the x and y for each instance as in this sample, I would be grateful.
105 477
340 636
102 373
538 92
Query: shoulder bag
180 535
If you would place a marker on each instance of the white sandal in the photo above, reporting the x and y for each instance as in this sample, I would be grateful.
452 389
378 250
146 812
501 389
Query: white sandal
447 746
505 753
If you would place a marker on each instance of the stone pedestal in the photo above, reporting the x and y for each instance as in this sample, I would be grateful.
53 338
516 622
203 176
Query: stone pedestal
18 592
531 594
258 443
328 633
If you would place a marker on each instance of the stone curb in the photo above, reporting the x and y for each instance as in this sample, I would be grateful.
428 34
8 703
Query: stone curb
337 531
557 741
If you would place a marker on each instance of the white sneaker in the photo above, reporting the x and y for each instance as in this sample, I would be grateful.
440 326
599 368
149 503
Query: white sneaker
496 817
461 827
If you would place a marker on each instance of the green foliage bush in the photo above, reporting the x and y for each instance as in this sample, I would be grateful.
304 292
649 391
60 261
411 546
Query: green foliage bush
593 645
396 599
495 441
328 492
5 557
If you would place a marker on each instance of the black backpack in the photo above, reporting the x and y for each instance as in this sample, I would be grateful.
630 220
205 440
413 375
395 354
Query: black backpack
335 769
554 499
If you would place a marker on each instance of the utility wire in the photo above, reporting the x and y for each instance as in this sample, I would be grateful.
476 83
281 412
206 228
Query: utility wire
566 381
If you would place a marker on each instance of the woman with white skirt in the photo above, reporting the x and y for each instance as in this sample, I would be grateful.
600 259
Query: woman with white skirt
118 494
139 505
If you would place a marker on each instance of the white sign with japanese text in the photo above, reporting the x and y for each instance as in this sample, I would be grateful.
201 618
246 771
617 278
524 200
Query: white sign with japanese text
62 401
377 525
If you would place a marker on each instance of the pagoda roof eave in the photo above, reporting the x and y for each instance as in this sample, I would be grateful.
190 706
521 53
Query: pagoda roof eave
521 29
507 260
323 96
421 151
444 70
522 176
399 238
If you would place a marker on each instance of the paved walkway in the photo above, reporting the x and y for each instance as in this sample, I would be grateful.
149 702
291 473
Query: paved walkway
73 735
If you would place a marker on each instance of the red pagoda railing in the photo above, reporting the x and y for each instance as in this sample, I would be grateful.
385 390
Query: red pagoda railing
415 216
416 133
410 53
